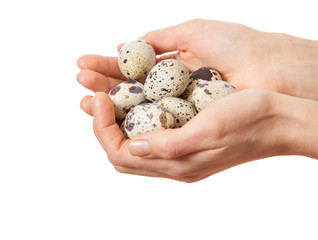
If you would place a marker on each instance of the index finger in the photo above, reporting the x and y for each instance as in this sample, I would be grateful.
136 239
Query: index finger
107 66
163 40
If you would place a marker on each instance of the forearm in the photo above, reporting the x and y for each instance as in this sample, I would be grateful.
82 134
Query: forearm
295 65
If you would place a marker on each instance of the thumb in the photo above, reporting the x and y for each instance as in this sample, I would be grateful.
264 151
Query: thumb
163 40
169 143
106 130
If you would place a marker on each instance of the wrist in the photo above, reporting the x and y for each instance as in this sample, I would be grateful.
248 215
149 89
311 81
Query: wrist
294 63
297 128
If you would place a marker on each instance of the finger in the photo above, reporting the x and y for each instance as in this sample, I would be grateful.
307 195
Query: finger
86 105
139 172
174 55
174 143
105 127
96 82
163 40
107 66
190 168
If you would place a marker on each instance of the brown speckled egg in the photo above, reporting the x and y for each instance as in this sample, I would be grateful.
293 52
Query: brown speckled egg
168 78
122 128
196 78
206 73
125 96
209 91
136 59
188 93
181 110
147 117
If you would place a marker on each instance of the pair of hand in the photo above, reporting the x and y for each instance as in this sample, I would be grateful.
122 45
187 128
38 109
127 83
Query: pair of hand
248 125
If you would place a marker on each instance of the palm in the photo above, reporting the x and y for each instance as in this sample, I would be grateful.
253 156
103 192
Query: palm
238 52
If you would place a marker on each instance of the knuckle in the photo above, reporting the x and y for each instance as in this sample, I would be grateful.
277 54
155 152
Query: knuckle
113 160
116 160
195 21
189 180
179 171
150 33
168 150
120 169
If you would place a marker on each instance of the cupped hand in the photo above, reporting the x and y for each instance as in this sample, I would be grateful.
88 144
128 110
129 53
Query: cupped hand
246 58
237 51
241 127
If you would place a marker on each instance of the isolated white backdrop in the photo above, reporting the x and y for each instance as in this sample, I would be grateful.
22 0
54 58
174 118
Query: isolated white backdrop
55 179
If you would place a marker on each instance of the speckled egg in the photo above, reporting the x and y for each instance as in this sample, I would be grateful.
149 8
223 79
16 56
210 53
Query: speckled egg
206 73
147 117
188 93
168 78
136 59
196 78
122 128
209 91
181 110
125 96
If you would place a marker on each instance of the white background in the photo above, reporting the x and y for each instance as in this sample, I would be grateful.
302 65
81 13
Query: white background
55 179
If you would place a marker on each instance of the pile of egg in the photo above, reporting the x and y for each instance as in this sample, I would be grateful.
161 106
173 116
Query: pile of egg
169 96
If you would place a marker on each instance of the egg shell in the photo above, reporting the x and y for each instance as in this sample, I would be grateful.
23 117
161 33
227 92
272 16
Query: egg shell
125 96
168 78
196 78
147 117
188 93
122 128
206 73
136 59
181 110
209 91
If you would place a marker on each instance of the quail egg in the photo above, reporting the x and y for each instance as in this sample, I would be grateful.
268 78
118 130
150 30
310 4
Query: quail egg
206 73
125 96
168 78
209 91
188 93
147 117
122 128
196 78
181 110
136 59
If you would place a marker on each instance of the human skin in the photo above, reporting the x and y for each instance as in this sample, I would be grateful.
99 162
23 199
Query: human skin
248 125
242 127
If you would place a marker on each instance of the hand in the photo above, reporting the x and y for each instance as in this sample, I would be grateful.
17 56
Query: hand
247 58
247 125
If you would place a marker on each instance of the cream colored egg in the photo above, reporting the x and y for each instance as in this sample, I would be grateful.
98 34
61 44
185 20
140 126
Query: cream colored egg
181 110
147 117
209 91
136 59
168 78
125 96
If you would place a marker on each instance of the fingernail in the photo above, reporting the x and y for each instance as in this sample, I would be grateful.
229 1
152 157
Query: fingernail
92 104
139 148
